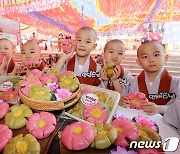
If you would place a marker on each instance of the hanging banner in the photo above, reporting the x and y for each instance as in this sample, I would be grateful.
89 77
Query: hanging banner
8 26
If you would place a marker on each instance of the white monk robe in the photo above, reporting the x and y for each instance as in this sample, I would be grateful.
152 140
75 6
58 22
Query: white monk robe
124 79
84 72
153 89
172 116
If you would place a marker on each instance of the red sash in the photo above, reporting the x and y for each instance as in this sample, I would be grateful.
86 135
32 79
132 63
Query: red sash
164 86
110 86
10 66
41 66
94 81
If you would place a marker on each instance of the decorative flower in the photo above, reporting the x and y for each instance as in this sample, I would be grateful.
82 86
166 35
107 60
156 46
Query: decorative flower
35 73
16 118
46 78
4 108
22 145
95 113
40 93
122 150
68 45
77 136
105 135
68 80
52 86
41 125
127 131
145 121
5 136
28 83
149 151
62 94
11 94
136 100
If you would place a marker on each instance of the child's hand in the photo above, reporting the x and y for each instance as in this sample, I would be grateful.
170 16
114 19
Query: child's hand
18 70
3 66
103 74
124 102
65 56
117 72
151 108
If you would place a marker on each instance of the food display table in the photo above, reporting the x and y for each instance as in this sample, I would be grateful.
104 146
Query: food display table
165 130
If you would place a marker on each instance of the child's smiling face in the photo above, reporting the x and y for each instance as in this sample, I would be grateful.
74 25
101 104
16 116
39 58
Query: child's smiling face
30 51
6 48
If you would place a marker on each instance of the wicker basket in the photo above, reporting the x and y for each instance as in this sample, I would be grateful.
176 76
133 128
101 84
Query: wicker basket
51 105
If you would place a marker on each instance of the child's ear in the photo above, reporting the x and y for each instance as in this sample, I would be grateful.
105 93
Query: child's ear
137 61
166 57
95 46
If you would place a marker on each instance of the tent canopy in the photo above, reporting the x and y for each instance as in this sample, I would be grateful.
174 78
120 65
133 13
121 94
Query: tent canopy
105 16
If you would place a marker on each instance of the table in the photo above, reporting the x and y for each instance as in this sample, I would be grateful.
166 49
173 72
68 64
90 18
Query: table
165 130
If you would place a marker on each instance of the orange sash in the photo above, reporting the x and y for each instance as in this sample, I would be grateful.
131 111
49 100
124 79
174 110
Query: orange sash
94 81
164 86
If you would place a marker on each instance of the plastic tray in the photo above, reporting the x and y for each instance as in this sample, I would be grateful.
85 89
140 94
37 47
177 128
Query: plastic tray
115 95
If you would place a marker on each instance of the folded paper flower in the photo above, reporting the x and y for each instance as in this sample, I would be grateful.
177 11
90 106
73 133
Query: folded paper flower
23 145
35 73
95 113
145 121
122 150
52 86
137 99
5 136
77 136
29 83
68 80
41 125
40 93
68 45
11 94
46 78
16 118
4 108
105 135
62 94
127 131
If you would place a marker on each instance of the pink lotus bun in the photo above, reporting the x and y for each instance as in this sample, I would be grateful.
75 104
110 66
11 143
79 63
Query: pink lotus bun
90 113
11 94
41 125
126 130
1 59
27 84
68 45
46 78
30 62
137 99
36 72
4 108
77 136
5 136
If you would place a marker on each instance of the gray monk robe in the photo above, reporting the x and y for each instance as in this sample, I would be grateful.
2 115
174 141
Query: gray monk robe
172 116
